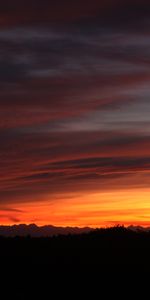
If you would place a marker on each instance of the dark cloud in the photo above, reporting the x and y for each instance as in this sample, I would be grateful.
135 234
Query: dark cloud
13 219
56 12
8 209
37 164
74 97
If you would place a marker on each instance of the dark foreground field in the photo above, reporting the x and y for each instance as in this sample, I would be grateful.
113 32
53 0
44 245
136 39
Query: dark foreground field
111 247
39 263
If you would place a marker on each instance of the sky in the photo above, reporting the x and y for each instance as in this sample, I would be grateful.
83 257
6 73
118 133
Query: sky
75 112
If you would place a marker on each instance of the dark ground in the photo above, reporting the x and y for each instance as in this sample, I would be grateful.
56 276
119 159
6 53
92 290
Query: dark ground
109 257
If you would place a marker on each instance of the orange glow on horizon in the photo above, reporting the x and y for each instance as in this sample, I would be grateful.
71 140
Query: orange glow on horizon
95 210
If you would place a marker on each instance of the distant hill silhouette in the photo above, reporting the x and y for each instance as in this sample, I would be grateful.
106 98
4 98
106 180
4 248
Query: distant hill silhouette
139 228
39 231
49 230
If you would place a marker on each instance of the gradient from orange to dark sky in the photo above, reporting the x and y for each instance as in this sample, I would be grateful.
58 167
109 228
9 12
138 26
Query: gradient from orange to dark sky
75 112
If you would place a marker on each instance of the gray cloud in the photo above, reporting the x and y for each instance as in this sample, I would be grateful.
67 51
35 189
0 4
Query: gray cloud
74 97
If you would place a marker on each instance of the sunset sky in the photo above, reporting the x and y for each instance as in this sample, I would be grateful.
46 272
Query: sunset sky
75 112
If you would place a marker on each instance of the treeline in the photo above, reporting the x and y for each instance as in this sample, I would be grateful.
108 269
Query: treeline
68 263
103 247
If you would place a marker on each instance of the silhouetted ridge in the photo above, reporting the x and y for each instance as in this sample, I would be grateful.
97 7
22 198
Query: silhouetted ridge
49 230
39 231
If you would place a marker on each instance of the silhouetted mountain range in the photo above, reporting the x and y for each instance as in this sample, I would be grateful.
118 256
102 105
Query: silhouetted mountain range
139 228
49 230
39 231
